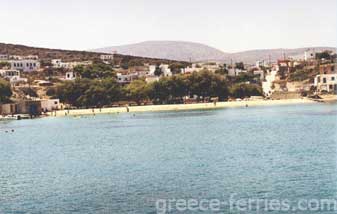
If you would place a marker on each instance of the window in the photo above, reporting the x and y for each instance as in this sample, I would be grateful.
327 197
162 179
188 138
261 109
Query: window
332 78
324 80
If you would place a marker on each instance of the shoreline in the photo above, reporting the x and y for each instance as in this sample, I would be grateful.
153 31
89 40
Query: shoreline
182 107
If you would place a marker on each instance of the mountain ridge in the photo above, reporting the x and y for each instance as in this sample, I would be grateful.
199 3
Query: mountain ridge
192 51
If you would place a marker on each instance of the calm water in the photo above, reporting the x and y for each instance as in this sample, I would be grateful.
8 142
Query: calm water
124 163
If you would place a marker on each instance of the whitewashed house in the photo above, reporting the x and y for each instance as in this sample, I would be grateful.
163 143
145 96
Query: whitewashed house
232 72
57 63
3 57
326 82
70 75
25 65
50 105
152 69
267 85
12 75
126 78
106 57
164 68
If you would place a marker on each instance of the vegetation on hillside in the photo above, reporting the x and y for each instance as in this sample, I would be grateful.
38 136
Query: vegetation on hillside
5 91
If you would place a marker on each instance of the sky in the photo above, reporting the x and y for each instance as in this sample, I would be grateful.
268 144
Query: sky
229 25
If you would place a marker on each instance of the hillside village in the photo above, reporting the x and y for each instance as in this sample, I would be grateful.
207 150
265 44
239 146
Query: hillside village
40 82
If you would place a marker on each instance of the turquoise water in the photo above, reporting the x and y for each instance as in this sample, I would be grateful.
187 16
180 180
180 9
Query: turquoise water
124 163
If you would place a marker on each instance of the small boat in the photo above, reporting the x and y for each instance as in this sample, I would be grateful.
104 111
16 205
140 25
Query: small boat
9 117
14 117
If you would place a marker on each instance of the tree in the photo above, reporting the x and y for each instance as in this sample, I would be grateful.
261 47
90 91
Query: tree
241 90
159 92
240 65
176 67
222 70
135 62
89 93
206 84
158 72
137 91
95 71
5 91
323 55
4 64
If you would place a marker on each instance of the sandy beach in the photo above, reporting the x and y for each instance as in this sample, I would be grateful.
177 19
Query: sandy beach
179 107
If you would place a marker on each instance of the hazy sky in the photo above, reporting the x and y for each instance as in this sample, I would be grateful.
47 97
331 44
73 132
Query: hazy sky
229 25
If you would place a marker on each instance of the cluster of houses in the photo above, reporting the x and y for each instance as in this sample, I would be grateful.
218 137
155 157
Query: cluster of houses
274 77
278 76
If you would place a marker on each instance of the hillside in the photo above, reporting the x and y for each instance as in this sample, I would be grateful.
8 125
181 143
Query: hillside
46 54
186 51
273 54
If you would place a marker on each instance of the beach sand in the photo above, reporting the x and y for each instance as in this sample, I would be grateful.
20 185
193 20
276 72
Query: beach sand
179 107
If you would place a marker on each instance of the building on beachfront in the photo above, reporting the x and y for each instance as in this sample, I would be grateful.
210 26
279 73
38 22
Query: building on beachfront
326 82
25 65
267 85
12 75
285 67
50 105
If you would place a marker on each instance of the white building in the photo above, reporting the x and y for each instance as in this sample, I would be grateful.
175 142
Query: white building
50 105
107 57
267 86
260 73
3 57
126 78
164 68
152 69
191 69
326 82
12 75
232 72
309 54
25 65
70 75
57 63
